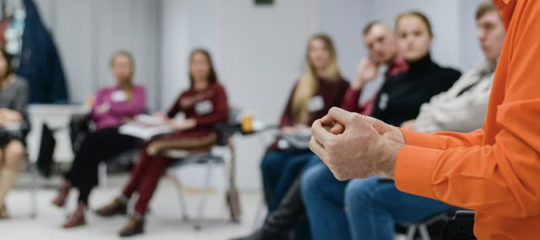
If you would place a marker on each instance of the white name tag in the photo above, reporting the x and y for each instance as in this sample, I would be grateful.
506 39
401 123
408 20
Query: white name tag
383 101
204 107
119 96
316 104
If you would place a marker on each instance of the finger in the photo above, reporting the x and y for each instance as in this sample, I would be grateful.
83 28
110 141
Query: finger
327 120
340 115
320 133
335 114
338 128
317 148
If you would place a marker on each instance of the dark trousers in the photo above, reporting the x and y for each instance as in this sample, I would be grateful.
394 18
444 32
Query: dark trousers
98 146
279 170
290 213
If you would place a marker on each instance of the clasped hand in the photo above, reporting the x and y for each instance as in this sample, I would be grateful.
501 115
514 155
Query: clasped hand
356 146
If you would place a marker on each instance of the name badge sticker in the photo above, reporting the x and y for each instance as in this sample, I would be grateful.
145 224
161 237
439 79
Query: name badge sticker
204 107
119 96
316 104
383 102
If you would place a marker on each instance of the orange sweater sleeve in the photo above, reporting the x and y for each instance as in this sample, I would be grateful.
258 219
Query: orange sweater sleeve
443 140
494 170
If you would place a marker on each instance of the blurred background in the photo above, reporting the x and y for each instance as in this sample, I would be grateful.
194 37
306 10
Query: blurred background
258 48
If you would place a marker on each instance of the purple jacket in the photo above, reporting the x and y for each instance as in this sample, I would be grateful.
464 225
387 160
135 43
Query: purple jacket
118 107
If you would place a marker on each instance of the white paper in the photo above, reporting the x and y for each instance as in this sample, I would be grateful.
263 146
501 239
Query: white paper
145 127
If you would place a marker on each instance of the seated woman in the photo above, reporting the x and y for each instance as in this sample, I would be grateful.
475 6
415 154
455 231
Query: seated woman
204 105
368 208
319 88
14 126
113 106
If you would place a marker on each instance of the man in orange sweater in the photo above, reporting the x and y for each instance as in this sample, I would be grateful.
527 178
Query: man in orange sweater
493 170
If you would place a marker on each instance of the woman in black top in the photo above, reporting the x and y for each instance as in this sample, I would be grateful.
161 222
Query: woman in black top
402 95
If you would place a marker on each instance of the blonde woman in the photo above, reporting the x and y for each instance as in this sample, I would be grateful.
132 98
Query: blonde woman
319 88
113 107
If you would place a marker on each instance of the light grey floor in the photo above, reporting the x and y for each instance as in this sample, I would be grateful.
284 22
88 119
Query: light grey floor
164 221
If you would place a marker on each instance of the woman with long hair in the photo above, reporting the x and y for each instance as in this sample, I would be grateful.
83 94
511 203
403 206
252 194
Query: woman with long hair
204 105
319 88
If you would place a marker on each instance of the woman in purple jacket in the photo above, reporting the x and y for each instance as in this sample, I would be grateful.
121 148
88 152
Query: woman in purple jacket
112 107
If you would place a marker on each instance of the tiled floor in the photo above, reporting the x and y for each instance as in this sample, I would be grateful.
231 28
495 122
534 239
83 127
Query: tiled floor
164 221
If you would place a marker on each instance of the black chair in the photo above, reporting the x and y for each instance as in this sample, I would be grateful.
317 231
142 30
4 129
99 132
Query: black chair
223 154
460 227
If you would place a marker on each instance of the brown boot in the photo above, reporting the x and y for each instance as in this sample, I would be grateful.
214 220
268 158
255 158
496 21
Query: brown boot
116 207
3 212
134 226
63 192
77 218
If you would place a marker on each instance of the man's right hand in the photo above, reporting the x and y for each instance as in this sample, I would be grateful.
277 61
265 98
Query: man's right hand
356 146
366 71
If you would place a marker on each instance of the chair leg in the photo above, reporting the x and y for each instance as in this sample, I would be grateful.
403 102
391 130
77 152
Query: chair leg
181 198
224 210
424 233
202 204
411 232
232 194
33 191
102 170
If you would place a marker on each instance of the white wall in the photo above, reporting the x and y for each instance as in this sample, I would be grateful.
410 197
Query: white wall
469 47
88 32
174 48
262 55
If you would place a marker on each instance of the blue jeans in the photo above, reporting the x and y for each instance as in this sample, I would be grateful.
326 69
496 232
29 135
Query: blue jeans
323 197
279 170
361 208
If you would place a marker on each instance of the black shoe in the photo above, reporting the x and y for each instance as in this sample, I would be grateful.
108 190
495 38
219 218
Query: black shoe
263 235
257 235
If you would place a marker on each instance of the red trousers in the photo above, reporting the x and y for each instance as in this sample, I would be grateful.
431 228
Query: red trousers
148 170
